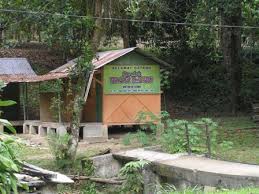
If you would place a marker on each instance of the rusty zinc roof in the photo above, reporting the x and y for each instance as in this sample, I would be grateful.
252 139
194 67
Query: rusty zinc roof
103 58
31 78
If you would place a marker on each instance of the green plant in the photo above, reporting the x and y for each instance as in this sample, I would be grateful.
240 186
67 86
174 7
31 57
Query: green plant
180 135
168 189
153 122
127 139
58 145
171 189
142 138
225 145
88 188
87 166
56 107
9 164
132 173
174 135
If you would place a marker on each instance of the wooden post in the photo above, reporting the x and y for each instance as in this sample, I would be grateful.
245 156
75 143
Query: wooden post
208 142
24 102
165 105
187 139
59 107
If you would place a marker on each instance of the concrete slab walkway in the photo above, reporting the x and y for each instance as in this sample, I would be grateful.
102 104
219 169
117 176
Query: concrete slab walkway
196 169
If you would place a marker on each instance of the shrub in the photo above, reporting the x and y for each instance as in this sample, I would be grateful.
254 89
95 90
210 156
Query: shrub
58 145
127 139
88 188
132 173
181 135
9 164
87 166
141 137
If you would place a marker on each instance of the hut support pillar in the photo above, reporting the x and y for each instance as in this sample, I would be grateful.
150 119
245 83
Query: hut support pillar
25 100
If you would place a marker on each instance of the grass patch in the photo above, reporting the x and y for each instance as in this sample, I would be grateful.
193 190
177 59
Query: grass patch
234 123
239 130
196 190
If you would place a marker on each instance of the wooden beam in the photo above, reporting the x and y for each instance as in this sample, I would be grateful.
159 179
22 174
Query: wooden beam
95 179
88 85
98 81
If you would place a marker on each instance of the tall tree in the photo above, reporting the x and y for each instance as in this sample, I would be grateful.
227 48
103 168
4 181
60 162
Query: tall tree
231 15
82 71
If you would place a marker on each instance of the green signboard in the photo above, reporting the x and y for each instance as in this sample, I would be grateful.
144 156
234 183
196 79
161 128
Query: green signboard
131 79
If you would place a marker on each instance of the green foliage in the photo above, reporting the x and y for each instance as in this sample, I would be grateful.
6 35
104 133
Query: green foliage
174 137
170 189
197 190
51 86
2 85
132 173
140 136
250 83
88 188
166 79
85 187
87 167
181 135
9 164
127 139
8 125
143 138
150 121
58 145
56 107
226 145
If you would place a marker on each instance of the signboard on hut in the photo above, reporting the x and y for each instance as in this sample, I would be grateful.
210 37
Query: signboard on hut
131 79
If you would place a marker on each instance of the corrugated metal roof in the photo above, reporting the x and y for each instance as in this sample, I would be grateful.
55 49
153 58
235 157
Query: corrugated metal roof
101 59
15 66
22 78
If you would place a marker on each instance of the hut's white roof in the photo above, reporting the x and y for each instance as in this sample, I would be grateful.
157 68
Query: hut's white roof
15 66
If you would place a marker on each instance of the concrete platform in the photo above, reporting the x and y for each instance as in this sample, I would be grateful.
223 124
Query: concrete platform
91 132
196 169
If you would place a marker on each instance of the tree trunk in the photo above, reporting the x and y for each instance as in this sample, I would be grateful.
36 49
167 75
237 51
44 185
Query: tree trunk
97 34
81 85
231 47
125 34
76 119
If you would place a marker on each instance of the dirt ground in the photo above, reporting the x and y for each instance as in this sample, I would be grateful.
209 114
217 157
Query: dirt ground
37 147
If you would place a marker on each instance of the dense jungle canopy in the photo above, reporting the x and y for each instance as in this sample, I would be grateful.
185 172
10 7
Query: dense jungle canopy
212 45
